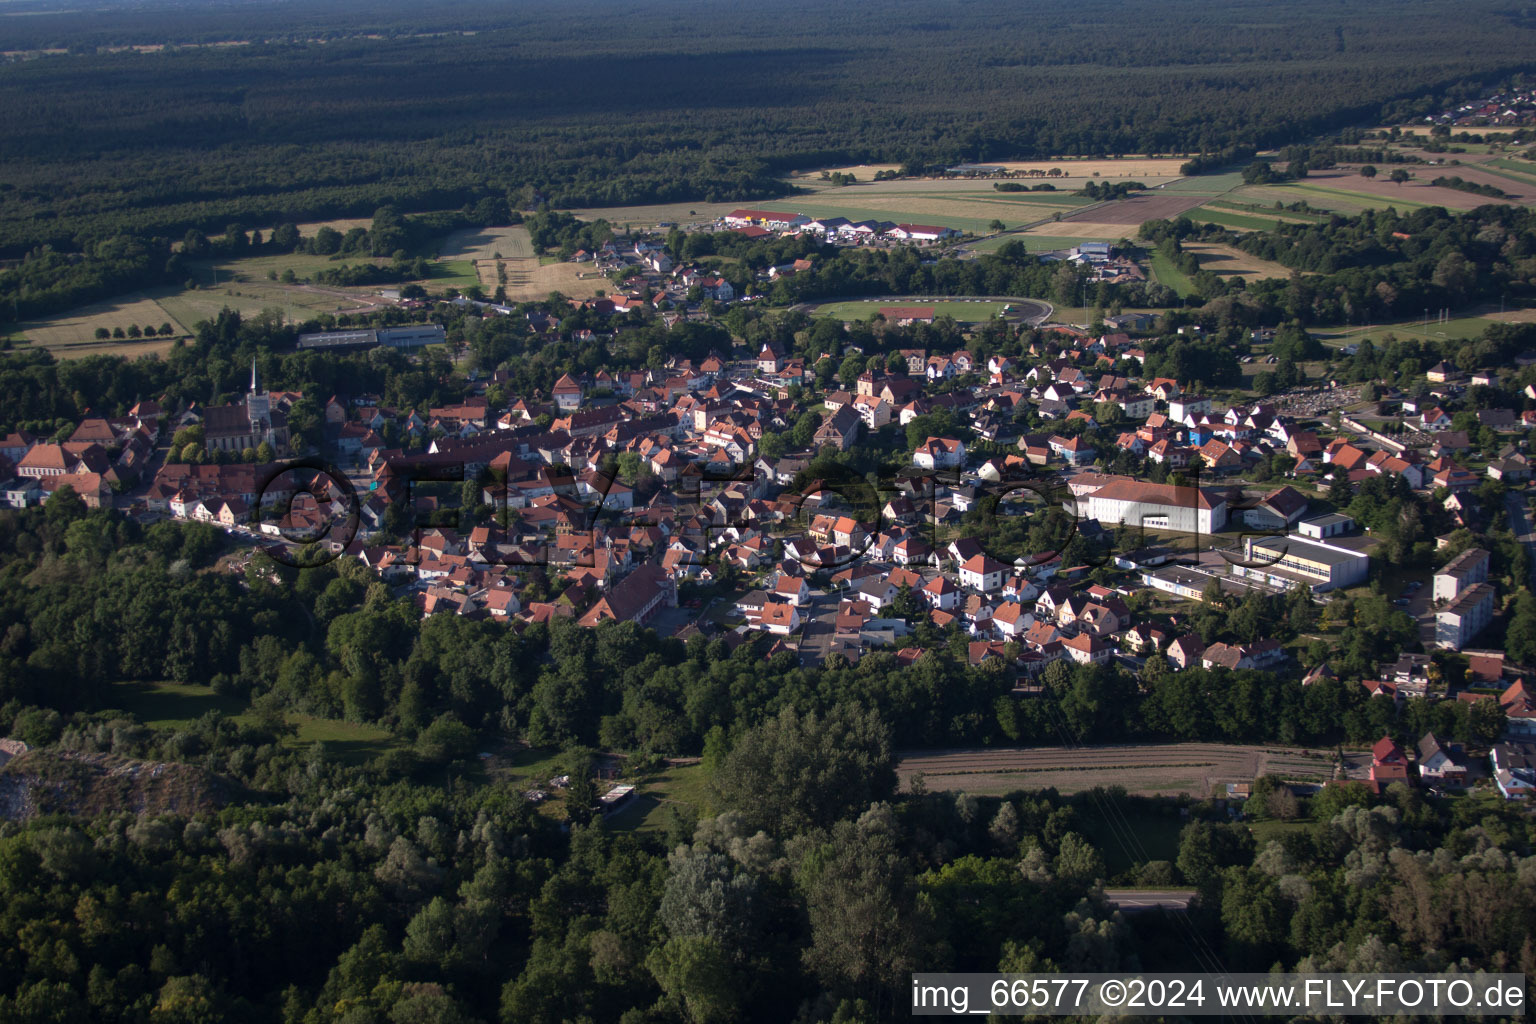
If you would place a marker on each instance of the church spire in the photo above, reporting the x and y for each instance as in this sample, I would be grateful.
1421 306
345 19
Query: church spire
255 378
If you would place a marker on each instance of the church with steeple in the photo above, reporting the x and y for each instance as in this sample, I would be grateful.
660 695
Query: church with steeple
234 428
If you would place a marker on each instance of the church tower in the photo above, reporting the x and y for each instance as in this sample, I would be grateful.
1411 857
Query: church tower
258 407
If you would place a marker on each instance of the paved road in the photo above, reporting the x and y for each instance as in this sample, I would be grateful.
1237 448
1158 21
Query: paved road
1520 523
1132 900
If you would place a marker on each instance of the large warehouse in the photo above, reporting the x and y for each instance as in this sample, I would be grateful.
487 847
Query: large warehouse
1156 506
412 336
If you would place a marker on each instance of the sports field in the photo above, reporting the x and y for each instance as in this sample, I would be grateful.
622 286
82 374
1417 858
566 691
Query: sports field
1460 327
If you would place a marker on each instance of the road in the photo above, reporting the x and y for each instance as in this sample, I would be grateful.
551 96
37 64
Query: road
1520 523
1132 900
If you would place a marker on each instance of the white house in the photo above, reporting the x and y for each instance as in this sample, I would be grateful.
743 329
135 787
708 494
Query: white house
980 572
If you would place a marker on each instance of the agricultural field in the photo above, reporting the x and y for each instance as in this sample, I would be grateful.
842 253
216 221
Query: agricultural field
484 243
1337 198
1151 770
1524 167
1265 212
1204 184
1065 233
296 302
256 268
243 285
967 311
469 257
1133 211
1413 193
73 334
1235 221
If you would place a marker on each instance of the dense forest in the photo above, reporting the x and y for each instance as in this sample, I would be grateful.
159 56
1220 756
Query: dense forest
322 114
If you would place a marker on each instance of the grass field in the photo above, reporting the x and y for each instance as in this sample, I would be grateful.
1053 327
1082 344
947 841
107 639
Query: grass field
246 298
685 785
1164 272
1524 168
1227 259
1331 199
965 312
1363 200
1149 770
1264 831
351 742
177 706
77 328
1262 211
171 705
453 274
1462 327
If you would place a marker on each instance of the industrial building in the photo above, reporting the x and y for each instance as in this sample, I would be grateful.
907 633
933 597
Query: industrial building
1291 561
412 336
